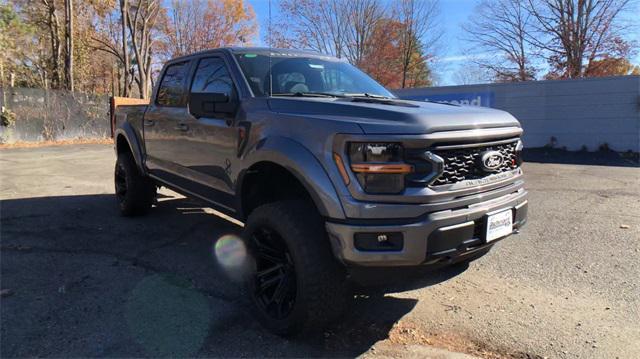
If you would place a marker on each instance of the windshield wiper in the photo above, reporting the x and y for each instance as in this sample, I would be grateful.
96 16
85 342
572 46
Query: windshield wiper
308 94
367 95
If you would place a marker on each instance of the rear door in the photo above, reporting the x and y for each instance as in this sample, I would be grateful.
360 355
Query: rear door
164 119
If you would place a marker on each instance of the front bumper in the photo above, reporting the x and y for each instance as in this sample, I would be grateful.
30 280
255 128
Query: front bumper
439 236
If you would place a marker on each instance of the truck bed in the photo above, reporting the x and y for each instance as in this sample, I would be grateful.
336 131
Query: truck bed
125 104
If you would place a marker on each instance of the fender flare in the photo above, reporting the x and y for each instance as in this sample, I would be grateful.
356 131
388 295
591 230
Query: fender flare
304 166
133 141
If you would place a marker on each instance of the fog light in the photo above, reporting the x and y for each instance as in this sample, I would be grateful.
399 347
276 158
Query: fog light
378 242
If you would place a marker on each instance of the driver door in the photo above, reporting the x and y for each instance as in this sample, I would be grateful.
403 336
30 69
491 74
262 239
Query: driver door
210 142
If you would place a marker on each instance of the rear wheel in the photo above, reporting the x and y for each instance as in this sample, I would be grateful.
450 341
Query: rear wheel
295 282
135 192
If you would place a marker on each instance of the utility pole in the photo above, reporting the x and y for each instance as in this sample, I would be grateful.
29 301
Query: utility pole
68 63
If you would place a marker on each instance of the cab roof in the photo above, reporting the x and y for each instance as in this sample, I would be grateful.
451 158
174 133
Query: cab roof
261 51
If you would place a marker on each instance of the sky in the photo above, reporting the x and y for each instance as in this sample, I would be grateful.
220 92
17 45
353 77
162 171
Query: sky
454 52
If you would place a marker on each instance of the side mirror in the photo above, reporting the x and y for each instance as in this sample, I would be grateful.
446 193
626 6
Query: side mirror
203 104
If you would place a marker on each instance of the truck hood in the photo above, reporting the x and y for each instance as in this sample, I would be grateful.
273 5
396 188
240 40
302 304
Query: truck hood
396 116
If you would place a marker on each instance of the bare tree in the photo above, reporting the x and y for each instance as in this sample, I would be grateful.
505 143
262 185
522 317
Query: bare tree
68 42
204 24
141 22
389 43
112 38
419 32
126 63
317 25
472 74
363 16
53 25
501 27
574 33
342 28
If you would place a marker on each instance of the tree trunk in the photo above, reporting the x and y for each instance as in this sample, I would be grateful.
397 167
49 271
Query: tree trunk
54 25
124 14
68 63
140 24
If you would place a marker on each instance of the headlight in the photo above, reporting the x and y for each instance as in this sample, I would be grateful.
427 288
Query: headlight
379 167
519 147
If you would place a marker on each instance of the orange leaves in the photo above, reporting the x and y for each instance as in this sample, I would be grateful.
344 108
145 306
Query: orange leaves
204 24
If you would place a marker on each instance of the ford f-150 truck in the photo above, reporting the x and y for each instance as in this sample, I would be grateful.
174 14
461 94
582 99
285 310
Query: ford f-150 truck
329 171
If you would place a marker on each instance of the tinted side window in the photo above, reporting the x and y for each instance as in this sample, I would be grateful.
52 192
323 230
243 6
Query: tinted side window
171 89
212 77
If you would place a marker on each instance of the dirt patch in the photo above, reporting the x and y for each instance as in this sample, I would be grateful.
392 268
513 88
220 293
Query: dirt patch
75 141
406 332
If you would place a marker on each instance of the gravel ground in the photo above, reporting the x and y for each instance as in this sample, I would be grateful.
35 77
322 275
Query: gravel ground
79 280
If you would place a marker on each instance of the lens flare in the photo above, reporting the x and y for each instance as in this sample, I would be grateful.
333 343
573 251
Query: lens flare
230 252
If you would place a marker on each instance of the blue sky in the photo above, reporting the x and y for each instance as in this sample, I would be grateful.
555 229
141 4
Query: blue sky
454 52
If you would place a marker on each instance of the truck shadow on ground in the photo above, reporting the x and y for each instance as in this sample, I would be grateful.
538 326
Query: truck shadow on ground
148 286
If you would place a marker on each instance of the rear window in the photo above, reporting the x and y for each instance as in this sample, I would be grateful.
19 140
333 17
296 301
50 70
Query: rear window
171 90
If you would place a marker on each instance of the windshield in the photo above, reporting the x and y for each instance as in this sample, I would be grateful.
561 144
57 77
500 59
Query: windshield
300 76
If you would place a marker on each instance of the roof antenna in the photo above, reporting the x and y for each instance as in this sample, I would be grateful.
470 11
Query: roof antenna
270 43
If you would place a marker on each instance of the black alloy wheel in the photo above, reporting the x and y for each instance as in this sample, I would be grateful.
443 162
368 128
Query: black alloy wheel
274 281
135 192
121 181
295 283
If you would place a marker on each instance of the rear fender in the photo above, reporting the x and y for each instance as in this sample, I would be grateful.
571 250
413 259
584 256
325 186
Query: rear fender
133 141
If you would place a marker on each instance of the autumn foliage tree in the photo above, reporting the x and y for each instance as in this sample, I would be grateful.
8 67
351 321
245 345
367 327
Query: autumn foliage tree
418 19
15 36
575 33
384 61
576 38
204 24
44 50
384 40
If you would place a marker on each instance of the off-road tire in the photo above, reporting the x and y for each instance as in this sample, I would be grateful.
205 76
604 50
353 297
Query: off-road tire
321 292
135 192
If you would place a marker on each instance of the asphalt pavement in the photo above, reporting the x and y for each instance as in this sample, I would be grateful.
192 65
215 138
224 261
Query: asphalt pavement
78 280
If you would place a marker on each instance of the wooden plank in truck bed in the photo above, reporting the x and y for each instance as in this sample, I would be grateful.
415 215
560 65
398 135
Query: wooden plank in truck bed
116 101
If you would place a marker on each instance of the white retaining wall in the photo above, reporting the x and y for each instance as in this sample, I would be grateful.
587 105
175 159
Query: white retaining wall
565 113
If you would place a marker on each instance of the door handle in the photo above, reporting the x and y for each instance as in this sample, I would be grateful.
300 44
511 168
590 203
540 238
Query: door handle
182 127
149 123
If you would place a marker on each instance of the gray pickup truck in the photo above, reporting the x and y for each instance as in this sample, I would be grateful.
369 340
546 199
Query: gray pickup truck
330 172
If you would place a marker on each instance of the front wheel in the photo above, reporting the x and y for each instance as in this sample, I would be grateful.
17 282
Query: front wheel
295 283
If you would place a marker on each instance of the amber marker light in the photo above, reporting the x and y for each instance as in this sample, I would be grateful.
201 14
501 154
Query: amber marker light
341 169
395 168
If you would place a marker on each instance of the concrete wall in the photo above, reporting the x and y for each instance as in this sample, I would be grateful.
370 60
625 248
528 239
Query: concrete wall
53 115
576 113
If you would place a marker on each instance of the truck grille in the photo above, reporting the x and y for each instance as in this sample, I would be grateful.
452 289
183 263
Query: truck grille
464 163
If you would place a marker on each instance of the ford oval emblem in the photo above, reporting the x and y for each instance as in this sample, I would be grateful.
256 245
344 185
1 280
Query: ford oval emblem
491 160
